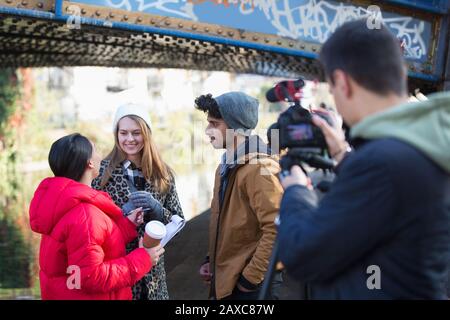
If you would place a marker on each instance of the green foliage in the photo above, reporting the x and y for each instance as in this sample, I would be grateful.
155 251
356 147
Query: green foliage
9 184
15 252
8 97
16 256
9 94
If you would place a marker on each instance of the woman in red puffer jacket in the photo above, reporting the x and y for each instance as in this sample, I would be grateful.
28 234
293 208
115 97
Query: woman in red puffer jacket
82 254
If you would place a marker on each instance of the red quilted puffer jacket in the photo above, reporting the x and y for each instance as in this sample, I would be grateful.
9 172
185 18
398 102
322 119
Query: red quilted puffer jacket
82 254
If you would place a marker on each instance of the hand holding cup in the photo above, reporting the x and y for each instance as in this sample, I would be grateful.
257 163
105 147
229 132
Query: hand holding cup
154 252
155 231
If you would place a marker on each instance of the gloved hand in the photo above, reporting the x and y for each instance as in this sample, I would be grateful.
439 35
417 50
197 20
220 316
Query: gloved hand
128 207
153 210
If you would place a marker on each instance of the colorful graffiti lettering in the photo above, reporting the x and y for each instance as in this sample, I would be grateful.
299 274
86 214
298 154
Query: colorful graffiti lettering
309 20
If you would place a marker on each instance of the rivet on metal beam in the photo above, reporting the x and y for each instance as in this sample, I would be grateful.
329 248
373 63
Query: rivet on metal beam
24 2
266 40
111 15
279 42
83 11
219 31
291 44
243 36
125 17
139 19
180 25
167 22
255 38
40 5
97 13
8 1
194 27
231 33
206 29
302 46
152 21
314 49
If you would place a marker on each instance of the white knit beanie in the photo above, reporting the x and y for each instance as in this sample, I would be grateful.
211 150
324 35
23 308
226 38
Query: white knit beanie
131 109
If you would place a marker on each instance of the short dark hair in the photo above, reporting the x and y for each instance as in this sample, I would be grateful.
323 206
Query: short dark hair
208 104
372 57
69 155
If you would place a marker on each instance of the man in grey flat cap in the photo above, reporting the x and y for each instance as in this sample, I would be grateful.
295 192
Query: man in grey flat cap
245 203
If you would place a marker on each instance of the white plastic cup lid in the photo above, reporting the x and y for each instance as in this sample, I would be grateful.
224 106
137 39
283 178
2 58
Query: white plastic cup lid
155 229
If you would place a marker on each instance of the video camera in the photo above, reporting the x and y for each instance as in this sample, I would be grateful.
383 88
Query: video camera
304 140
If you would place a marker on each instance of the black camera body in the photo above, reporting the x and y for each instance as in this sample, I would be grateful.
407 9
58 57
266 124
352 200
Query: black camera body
297 132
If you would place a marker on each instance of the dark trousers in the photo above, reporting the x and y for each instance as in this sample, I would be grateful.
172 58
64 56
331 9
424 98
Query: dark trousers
253 295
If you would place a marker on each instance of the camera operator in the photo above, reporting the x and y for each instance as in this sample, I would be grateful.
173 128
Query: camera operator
382 230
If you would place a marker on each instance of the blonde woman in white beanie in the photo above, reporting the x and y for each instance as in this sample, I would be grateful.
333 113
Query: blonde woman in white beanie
135 176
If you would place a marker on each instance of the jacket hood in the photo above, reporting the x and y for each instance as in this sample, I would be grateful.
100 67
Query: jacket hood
424 125
56 196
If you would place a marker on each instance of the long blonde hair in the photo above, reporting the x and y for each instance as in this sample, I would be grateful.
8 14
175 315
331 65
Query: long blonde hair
154 169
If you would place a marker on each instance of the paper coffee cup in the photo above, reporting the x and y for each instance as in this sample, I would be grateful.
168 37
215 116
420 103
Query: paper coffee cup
154 232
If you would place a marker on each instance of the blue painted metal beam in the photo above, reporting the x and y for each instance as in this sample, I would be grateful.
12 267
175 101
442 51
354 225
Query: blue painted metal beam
59 8
435 6
28 13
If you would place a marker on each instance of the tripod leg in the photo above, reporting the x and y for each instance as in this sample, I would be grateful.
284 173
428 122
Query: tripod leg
268 278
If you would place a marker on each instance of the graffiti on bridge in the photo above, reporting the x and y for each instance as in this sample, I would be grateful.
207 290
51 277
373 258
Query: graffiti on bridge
307 20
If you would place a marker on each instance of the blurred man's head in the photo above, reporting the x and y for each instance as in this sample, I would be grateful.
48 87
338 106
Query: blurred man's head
365 70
